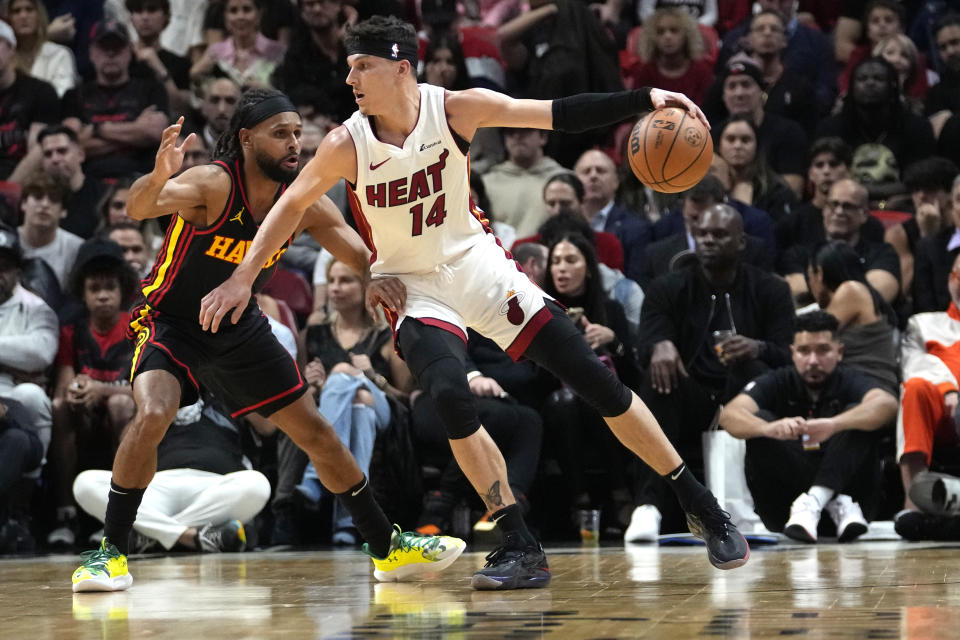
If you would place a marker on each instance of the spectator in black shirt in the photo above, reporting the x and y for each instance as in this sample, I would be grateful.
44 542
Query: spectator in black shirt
935 257
811 436
21 451
316 56
782 139
929 182
874 114
830 160
943 99
752 180
844 215
807 52
63 157
26 105
118 118
792 95
149 19
662 254
704 332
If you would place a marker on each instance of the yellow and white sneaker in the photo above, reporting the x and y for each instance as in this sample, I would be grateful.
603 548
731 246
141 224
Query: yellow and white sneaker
412 554
103 569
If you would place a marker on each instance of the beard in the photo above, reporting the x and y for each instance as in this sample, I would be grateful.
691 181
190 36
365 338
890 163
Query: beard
274 169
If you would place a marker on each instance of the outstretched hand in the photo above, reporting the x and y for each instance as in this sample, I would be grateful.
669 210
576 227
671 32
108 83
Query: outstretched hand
231 295
170 155
661 99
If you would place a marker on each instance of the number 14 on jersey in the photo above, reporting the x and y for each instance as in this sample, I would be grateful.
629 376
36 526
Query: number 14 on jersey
435 216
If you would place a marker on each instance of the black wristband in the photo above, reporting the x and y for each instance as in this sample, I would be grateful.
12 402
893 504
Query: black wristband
586 111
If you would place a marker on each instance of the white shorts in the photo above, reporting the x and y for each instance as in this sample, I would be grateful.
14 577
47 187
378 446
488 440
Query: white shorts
485 290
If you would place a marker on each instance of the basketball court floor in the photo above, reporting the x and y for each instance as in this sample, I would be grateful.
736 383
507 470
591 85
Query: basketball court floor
869 590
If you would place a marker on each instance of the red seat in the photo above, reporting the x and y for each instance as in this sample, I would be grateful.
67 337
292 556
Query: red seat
891 218
287 317
10 191
292 289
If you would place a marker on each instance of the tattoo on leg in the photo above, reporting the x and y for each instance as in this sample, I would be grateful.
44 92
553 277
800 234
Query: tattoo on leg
492 497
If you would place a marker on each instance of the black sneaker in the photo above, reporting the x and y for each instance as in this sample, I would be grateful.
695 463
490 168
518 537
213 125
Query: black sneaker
513 565
15 537
917 525
726 546
285 531
229 536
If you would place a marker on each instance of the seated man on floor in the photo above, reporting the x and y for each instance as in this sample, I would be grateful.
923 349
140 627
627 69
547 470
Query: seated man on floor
811 432
202 493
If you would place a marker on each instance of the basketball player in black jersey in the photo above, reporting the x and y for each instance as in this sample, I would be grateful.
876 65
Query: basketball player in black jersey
218 210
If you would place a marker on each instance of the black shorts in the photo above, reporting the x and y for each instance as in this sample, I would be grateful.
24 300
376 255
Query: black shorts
243 364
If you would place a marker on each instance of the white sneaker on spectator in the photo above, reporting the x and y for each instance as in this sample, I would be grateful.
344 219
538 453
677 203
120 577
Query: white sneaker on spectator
804 517
848 517
96 537
62 536
644 524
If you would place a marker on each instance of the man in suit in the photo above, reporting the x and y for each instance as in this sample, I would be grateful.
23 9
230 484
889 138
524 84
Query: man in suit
598 174
660 255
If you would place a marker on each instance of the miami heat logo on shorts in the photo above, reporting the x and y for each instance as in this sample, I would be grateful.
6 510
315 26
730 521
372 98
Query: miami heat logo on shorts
511 308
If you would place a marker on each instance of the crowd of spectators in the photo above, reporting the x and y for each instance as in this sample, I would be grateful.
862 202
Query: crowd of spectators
804 296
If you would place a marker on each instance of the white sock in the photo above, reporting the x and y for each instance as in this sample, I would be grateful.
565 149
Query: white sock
822 494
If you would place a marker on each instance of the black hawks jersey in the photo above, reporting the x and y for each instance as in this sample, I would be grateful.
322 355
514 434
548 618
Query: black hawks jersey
193 262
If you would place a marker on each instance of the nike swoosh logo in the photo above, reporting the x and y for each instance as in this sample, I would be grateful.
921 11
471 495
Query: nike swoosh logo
357 492
374 167
674 477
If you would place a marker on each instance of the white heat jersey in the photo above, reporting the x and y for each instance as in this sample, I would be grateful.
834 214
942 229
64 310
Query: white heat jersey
412 203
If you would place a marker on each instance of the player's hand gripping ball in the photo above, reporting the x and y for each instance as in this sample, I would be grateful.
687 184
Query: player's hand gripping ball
670 150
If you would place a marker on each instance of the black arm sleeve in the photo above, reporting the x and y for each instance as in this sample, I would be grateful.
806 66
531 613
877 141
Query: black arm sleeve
585 111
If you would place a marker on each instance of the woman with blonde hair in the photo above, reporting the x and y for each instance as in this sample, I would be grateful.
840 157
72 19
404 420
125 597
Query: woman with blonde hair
356 376
901 52
671 49
35 55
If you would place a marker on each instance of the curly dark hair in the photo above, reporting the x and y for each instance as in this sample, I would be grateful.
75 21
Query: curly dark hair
106 267
228 145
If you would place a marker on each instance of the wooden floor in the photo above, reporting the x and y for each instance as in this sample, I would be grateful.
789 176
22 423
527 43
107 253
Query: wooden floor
866 591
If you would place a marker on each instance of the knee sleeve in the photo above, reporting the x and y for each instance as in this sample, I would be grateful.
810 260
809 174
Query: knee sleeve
560 349
436 359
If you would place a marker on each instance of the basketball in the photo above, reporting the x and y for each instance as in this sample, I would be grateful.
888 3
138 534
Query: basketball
670 150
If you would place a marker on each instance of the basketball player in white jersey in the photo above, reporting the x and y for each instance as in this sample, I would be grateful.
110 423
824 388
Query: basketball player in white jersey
438 269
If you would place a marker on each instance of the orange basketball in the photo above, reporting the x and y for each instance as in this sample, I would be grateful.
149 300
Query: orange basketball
670 150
